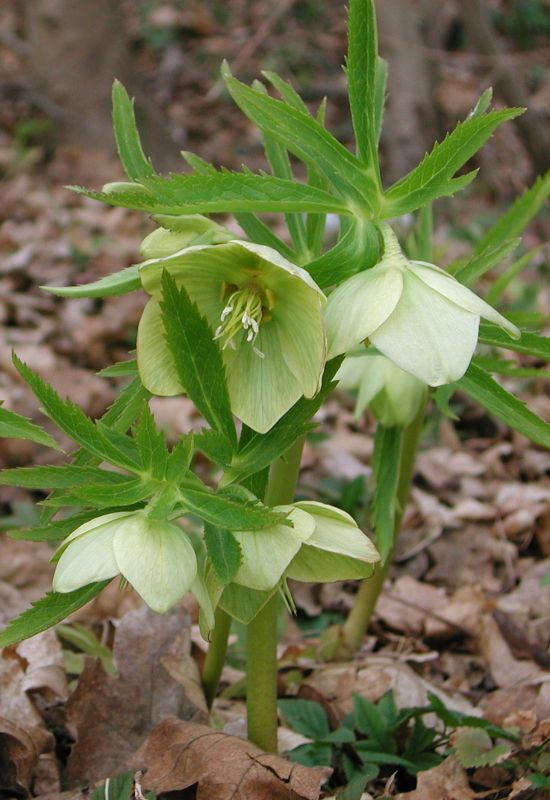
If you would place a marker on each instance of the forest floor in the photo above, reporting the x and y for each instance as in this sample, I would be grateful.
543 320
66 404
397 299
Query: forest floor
464 615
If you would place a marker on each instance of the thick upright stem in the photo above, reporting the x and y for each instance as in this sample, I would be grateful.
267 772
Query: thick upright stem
215 658
261 670
365 601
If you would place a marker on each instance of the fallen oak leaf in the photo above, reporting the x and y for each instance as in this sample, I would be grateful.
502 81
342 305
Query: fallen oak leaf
178 755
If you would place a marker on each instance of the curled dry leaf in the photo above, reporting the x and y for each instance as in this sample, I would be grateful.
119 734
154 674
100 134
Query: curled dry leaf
110 717
178 755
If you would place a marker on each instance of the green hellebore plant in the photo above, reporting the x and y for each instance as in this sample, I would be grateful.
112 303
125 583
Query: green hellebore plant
415 313
155 556
394 396
266 314
324 544
178 232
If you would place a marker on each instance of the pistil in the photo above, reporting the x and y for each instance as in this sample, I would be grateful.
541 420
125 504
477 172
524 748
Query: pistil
242 313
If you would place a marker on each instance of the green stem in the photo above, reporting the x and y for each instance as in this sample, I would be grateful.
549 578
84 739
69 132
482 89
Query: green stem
366 598
261 667
215 657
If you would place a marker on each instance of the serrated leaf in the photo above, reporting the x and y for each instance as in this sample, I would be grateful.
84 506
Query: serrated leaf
361 74
261 450
529 343
433 177
65 477
228 512
151 444
197 358
13 426
214 446
474 748
484 260
121 369
126 493
516 219
306 717
133 159
482 388
502 366
308 140
286 90
224 551
358 249
47 612
179 458
54 531
122 282
380 95
103 443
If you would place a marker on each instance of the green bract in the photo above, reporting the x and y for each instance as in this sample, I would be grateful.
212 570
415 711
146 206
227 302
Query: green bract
416 314
266 314
394 396
176 233
155 556
324 544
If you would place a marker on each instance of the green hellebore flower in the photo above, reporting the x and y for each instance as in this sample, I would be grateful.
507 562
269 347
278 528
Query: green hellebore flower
416 314
324 544
265 312
155 556
394 396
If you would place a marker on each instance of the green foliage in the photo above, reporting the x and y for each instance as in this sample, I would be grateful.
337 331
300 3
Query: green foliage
197 358
529 343
377 739
484 260
82 639
504 406
13 426
135 164
361 69
224 551
122 282
47 612
433 177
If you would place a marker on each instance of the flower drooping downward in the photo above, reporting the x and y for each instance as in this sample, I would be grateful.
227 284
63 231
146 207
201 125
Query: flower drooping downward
266 314
414 313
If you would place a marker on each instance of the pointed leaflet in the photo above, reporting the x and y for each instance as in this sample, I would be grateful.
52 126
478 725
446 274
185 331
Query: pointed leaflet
433 177
484 260
224 551
133 159
47 612
308 140
54 531
67 477
13 426
151 444
197 357
480 386
516 219
122 282
225 510
386 460
101 441
529 343
361 73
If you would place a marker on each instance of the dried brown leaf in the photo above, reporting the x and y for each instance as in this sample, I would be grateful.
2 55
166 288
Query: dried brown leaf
448 781
178 755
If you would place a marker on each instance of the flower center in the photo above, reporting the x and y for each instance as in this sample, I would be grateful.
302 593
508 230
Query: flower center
243 312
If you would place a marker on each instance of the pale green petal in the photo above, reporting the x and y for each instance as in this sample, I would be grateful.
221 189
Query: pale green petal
154 360
157 558
360 305
271 258
268 552
402 397
93 525
299 319
261 390
351 372
427 335
225 263
201 595
371 384
337 549
450 288
88 558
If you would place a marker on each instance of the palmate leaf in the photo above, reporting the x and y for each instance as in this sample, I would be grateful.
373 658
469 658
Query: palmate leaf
433 177
47 612
13 426
133 159
482 388
361 66
308 140
101 441
197 358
